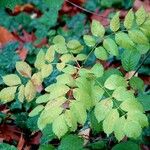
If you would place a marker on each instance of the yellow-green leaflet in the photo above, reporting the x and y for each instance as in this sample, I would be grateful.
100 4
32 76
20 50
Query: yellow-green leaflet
110 120
30 91
49 56
46 70
115 22
121 94
43 99
59 39
11 80
138 37
60 66
138 117
79 111
69 69
37 79
8 94
114 81
123 40
70 120
119 128
140 15
111 46
132 129
40 60
129 19
23 69
97 29
101 53
130 105
60 90
59 126
36 110
102 109
89 40
65 58
48 116
75 46
21 93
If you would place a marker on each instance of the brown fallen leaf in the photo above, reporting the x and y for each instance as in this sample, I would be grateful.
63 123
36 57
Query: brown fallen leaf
21 143
144 3
5 36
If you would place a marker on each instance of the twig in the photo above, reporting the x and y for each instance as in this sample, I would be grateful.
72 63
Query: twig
143 61
88 11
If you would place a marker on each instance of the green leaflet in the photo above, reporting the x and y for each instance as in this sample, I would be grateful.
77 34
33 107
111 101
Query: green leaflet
97 29
115 81
89 40
71 142
79 111
132 129
144 100
36 110
59 126
129 19
130 105
130 59
121 94
101 53
40 60
136 83
140 15
5 146
110 120
123 40
8 94
110 45
102 109
118 128
142 49
11 80
138 37
115 22
46 147
23 69
8 4
145 28
126 146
